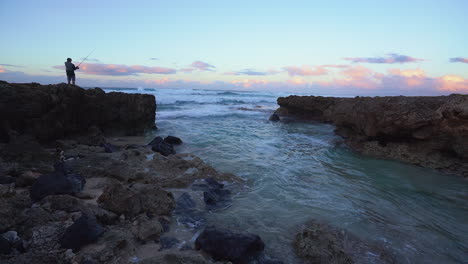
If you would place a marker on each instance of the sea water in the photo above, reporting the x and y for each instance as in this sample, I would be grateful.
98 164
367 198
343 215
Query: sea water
297 171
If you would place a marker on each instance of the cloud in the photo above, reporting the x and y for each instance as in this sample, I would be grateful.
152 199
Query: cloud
11 65
459 59
253 72
391 59
89 60
187 69
119 69
452 83
2 69
153 58
202 66
306 70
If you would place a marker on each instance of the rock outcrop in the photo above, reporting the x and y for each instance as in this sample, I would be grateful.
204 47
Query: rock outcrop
428 131
49 112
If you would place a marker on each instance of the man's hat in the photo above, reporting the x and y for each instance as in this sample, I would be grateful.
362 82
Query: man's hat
69 59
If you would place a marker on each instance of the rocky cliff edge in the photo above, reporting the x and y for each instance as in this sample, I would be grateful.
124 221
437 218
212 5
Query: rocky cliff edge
428 131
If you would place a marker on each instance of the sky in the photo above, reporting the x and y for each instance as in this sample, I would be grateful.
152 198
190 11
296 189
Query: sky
359 47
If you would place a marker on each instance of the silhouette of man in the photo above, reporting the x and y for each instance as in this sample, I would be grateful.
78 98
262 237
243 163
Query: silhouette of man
70 69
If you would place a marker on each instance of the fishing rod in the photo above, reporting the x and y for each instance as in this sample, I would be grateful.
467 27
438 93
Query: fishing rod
86 57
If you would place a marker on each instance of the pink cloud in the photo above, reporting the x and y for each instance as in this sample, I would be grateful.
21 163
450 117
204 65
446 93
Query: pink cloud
306 71
249 83
392 58
202 66
2 69
187 70
119 69
452 83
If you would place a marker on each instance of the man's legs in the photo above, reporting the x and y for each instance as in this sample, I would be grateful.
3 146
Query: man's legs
69 77
73 79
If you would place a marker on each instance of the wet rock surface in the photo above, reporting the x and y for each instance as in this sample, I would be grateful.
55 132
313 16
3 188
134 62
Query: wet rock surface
225 245
318 242
173 140
428 131
159 145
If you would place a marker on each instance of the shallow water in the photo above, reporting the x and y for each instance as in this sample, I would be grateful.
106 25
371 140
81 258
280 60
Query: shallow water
298 171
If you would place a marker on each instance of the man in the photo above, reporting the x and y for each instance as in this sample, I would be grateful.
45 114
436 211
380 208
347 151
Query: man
70 68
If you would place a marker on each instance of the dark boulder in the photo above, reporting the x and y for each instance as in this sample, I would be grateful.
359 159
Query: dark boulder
109 148
60 181
215 197
161 146
83 231
173 140
274 117
224 245
5 246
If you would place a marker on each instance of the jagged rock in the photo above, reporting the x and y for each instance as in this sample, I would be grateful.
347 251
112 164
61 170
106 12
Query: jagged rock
109 148
65 203
224 245
121 200
61 181
57 111
25 151
145 228
173 140
431 131
318 242
116 245
27 178
82 232
161 146
274 118
7 190
45 238
140 198
10 209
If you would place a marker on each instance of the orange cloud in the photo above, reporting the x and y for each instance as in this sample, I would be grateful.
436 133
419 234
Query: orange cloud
452 83
2 69
412 78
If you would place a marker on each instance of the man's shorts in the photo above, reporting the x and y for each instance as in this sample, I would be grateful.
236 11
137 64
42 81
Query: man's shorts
71 77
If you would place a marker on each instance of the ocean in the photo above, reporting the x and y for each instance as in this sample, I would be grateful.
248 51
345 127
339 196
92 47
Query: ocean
296 171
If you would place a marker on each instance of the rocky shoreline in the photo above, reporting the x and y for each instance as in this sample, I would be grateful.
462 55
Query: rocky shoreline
427 131
79 184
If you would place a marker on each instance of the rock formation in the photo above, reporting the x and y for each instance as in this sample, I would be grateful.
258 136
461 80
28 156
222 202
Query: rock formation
49 112
427 131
